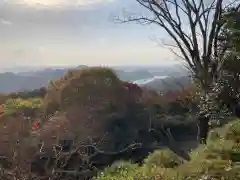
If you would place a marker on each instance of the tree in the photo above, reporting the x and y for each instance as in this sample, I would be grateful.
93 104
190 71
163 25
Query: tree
226 90
199 48
205 21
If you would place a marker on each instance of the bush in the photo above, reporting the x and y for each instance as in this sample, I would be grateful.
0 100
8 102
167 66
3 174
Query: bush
217 160
129 171
163 159
85 85
28 107
233 131
196 170
118 171
36 93
214 135
50 106
100 106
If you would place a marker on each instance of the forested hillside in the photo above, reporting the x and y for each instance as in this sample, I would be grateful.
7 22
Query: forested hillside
91 124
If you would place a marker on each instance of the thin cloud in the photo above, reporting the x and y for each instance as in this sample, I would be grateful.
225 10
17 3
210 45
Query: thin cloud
5 22
46 34
58 3
102 40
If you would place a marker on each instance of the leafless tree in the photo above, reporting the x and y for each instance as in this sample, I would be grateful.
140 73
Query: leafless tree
81 161
194 26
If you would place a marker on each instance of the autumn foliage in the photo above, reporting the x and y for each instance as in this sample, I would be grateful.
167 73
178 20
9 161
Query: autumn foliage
92 100
93 106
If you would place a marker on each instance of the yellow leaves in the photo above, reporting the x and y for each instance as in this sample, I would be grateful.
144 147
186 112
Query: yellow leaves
22 103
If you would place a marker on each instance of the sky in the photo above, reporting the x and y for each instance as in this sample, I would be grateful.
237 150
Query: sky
74 32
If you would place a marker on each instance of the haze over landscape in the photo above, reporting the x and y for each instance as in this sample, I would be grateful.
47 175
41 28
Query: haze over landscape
69 33
42 39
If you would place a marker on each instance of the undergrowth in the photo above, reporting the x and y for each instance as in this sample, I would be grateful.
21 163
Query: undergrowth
218 160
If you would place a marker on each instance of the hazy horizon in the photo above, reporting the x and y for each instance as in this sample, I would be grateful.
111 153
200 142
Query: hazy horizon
73 32
16 68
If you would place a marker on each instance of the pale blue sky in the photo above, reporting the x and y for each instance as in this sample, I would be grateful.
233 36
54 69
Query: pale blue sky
73 32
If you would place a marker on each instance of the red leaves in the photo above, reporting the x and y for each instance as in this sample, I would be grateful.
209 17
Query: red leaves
133 87
1 108
36 125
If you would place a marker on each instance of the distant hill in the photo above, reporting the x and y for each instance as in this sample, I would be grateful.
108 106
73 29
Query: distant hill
167 83
28 80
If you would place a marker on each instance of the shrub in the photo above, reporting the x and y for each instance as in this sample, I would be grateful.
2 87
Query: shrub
233 131
100 106
28 107
36 93
196 170
50 106
220 148
20 103
129 171
214 135
217 160
163 159
154 173
118 171
90 86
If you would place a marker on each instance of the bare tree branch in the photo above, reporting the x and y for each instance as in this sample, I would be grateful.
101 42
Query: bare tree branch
201 18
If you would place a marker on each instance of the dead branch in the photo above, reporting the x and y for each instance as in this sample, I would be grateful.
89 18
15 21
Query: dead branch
74 163
176 17
173 146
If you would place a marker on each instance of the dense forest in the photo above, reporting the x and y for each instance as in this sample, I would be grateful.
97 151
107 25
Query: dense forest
90 124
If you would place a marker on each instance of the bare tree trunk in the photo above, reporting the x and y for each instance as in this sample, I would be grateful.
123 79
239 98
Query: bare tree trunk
203 128
237 110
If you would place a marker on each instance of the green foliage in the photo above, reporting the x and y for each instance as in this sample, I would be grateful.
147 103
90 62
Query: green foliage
129 171
223 93
163 159
118 171
232 27
233 132
36 93
213 135
217 160
22 105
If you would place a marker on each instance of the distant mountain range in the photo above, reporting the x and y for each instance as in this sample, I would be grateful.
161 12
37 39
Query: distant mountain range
145 76
167 83
149 80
